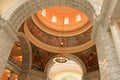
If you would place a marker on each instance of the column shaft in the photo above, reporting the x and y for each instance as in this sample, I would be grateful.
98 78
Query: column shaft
107 56
116 38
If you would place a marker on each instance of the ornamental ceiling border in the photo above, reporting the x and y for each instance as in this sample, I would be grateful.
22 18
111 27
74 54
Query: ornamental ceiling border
69 41
54 49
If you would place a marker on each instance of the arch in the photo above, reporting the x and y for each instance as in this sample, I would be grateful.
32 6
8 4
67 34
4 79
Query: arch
71 57
97 6
26 51
19 12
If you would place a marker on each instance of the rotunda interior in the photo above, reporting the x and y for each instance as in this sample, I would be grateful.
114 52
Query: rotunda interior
45 30
59 40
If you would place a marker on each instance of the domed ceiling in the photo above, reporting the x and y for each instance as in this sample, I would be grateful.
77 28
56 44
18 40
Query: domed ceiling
55 40
53 20
57 17
48 27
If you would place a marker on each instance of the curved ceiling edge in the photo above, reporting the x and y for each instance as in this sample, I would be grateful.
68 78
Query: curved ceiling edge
87 26
56 49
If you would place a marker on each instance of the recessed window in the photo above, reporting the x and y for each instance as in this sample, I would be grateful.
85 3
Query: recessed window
78 18
66 20
54 19
44 12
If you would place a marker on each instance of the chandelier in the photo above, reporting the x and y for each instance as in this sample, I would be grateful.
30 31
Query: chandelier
61 58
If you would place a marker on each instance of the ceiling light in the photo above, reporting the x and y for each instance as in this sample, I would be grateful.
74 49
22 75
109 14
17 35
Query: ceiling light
66 20
61 59
54 19
44 12
78 18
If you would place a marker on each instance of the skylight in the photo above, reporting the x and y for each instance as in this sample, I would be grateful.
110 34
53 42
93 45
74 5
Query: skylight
44 12
78 18
66 20
54 19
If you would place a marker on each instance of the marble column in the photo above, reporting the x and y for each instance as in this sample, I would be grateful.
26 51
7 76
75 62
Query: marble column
116 38
7 39
107 56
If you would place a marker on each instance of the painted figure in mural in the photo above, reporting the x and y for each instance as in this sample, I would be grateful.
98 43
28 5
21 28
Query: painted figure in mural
91 60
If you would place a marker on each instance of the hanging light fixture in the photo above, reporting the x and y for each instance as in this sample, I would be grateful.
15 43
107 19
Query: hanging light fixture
61 58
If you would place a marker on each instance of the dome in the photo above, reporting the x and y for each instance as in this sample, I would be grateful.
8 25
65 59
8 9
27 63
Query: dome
50 24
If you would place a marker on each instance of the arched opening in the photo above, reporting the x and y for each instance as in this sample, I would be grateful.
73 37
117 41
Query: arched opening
74 69
15 19
69 70
104 35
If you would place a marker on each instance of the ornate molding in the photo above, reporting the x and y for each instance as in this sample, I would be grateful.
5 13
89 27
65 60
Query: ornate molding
28 7
54 49
26 51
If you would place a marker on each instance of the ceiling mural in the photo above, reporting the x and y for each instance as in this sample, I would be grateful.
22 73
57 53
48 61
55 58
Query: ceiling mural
89 58
41 57
55 40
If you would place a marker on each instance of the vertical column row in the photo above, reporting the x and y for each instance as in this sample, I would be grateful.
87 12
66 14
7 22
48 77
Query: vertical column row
108 60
